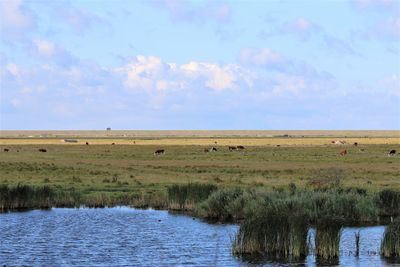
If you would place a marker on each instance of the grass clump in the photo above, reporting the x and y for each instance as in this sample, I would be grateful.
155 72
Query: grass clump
22 197
279 232
327 238
187 196
390 247
222 205
388 201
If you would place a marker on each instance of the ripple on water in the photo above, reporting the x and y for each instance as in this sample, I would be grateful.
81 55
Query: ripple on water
124 236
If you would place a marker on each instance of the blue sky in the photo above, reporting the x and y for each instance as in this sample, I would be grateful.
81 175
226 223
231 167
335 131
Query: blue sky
168 64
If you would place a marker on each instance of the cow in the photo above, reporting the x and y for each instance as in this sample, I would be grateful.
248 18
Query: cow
214 149
112 144
231 148
343 152
159 152
240 147
278 145
392 152
355 144
206 150
87 143
42 150
6 149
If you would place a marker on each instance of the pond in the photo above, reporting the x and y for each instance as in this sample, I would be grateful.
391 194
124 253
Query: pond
125 236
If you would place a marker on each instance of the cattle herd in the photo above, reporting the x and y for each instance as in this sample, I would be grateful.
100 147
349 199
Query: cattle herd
342 152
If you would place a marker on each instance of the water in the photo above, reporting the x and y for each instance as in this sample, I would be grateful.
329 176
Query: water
129 237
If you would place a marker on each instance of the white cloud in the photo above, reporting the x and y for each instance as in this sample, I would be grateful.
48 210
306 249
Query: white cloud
149 73
13 16
260 57
15 19
44 47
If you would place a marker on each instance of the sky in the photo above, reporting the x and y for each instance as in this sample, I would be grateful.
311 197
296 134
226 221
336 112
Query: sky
199 65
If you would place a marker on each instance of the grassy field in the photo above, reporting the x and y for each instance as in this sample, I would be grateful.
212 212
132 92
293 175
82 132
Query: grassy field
130 166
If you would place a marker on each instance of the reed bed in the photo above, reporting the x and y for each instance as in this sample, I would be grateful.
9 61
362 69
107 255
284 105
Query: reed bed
186 196
327 239
390 247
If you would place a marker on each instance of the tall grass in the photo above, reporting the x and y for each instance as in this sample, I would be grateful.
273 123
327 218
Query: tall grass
277 232
388 201
390 247
327 238
22 197
186 196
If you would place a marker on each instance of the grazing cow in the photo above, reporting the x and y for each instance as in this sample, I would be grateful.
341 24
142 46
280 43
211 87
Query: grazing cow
278 145
6 149
206 150
343 152
231 148
159 152
240 147
42 150
112 144
355 144
392 152
213 149
87 143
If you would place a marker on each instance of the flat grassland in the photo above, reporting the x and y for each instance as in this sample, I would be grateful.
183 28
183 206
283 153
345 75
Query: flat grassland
307 159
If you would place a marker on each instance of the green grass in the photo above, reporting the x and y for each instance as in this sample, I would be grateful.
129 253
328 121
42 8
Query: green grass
390 247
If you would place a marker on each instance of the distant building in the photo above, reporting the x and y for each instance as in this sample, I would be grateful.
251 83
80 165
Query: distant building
70 140
108 129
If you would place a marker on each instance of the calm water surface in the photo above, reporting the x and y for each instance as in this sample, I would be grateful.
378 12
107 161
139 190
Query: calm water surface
129 237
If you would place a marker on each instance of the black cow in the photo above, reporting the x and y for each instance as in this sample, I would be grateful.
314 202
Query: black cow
355 144
392 152
6 149
87 143
231 148
112 144
159 152
240 147
213 149
42 150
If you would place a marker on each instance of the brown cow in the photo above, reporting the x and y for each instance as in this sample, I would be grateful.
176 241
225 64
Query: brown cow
42 150
87 143
231 148
343 152
240 147
6 149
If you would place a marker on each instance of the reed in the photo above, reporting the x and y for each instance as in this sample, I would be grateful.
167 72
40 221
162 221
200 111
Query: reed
390 246
186 196
276 231
388 201
222 205
327 239
22 197
357 238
